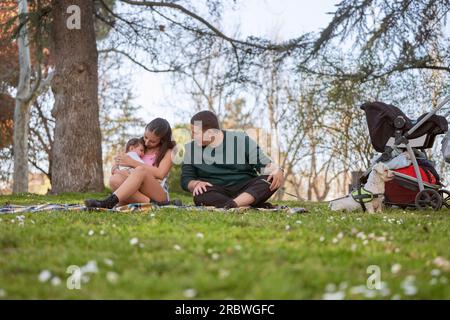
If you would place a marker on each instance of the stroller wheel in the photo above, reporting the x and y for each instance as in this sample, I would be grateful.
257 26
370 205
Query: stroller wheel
428 198
445 198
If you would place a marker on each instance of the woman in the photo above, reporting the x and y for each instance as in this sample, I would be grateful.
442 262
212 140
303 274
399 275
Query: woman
146 182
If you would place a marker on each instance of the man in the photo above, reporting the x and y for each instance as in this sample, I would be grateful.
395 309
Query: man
221 168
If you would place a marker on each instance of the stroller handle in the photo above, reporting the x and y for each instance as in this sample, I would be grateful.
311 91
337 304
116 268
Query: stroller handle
428 116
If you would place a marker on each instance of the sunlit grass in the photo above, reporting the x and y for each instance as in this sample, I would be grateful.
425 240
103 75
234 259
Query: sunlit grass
178 254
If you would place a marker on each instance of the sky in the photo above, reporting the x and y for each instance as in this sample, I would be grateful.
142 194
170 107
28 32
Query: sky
285 18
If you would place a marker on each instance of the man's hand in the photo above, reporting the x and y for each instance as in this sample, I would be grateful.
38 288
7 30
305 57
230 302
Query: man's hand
277 179
200 187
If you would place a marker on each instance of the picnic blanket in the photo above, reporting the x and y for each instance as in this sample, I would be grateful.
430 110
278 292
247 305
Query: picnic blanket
135 207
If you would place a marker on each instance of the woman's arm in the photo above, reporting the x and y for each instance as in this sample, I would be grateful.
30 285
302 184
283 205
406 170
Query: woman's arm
159 172
127 161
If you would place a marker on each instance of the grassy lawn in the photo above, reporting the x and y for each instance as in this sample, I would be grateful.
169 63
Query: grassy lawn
177 254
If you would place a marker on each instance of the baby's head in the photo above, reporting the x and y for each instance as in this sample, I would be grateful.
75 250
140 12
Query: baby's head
136 145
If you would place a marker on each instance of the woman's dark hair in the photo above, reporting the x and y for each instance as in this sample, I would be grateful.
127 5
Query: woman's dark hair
208 119
161 128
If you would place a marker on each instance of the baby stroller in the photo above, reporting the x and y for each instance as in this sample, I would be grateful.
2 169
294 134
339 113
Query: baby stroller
394 135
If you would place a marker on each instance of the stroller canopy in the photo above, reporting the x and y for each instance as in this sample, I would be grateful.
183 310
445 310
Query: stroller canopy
380 120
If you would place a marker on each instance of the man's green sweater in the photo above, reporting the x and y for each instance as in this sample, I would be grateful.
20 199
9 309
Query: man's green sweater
237 159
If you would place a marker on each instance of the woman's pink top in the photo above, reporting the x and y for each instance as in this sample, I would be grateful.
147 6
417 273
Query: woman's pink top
149 159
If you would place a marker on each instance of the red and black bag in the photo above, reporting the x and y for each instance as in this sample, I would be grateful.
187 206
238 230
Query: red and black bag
401 191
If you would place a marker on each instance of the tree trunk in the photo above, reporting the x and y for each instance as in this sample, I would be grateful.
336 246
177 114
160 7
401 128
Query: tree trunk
22 108
77 154
20 147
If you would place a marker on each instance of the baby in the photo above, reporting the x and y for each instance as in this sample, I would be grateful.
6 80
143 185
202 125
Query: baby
135 148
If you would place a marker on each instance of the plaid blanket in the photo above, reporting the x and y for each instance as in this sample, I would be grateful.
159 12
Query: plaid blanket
135 207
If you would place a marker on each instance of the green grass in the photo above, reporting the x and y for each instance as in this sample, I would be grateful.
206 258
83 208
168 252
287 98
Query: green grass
241 256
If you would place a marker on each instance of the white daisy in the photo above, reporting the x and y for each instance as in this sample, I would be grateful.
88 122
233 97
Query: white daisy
190 293
396 268
44 276
90 267
339 295
112 277
56 281
108 262
200 235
